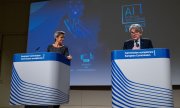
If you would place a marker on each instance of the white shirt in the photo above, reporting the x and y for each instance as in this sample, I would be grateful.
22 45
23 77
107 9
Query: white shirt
135 43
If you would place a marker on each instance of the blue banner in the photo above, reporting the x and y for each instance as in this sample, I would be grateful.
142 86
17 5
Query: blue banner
143 53
40 56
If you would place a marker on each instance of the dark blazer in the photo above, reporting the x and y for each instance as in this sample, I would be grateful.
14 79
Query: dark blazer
145 43
62 50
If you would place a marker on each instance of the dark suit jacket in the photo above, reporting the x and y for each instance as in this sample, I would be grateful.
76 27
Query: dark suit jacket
145 43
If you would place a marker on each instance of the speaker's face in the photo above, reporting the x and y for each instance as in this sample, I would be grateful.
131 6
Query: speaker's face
60 38
135 34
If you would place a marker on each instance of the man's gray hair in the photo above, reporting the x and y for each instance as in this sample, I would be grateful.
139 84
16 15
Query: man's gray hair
57 33
137 27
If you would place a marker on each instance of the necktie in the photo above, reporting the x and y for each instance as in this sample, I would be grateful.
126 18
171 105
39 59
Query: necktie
136 42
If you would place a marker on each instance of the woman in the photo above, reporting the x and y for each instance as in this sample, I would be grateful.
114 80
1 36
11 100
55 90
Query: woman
58 46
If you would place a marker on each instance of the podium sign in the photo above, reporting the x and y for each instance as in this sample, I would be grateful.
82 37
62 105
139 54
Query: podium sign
40 79
141 78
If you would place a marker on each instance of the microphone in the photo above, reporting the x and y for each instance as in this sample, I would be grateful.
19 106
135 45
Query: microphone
137 44
37 49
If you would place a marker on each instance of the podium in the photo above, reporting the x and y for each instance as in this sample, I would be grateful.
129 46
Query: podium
141 79
41 78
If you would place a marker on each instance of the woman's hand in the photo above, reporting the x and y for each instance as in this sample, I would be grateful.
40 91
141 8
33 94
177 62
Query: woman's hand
69 57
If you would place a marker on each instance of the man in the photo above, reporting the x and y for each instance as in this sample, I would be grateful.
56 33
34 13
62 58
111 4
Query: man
136 41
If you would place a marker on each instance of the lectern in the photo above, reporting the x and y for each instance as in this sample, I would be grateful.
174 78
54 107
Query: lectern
141 79
41 78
